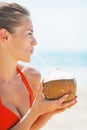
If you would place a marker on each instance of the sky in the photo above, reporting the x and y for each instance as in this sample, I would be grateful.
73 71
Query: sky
58 24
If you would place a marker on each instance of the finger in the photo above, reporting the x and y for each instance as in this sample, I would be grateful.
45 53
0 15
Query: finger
72 104
63 98
75 97
69 104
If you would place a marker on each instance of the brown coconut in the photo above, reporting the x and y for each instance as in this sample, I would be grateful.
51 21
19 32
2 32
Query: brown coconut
59 83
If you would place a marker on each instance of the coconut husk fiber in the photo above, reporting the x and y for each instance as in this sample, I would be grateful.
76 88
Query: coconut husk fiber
59 83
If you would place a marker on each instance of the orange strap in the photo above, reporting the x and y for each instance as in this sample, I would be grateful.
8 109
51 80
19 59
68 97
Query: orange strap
27 86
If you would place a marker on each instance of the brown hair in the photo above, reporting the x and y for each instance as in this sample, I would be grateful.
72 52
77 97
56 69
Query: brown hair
10 14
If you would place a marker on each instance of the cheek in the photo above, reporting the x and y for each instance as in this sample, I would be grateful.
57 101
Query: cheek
21 45
17 49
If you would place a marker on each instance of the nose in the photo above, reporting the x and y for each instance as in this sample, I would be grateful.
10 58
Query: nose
34 41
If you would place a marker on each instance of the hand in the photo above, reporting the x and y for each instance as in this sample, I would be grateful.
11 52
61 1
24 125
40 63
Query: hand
67 104
42 106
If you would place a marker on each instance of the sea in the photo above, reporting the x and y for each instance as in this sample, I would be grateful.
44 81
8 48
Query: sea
74 63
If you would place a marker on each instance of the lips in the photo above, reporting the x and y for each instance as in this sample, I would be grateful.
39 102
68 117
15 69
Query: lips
31 51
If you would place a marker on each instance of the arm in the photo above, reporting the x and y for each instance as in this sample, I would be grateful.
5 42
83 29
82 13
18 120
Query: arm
26 122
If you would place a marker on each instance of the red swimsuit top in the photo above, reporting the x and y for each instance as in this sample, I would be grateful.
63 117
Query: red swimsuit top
7 117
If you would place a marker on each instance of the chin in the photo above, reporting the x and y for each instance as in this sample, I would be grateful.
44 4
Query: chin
26 59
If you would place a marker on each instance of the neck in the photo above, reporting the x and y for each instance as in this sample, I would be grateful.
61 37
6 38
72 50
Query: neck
8 68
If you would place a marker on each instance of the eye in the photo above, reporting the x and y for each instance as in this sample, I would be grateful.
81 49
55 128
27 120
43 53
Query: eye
30 33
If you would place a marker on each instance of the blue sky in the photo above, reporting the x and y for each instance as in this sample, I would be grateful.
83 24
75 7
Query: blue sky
59 24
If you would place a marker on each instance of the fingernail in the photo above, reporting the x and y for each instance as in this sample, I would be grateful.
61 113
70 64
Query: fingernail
66 95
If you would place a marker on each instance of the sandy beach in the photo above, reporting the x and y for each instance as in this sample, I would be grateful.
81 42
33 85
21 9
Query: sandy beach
74 118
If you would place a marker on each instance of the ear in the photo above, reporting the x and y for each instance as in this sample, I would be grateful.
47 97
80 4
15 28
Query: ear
3 34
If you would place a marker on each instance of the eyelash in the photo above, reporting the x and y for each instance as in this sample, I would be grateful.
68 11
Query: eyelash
29 33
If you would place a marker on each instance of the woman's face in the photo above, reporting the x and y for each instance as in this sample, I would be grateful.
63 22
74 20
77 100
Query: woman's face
21 44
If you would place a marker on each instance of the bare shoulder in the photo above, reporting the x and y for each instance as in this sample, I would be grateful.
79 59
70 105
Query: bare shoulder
32 74
30 71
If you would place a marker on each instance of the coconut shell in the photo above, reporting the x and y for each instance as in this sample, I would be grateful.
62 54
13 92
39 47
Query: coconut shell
54 88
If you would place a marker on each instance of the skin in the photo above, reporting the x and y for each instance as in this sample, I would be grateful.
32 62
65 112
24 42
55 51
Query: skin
20 46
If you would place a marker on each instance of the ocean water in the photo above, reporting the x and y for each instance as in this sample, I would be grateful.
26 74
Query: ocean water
73 62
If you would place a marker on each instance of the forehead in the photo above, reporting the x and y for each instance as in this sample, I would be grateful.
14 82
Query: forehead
25 25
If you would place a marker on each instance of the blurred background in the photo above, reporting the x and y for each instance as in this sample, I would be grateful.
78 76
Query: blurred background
60 27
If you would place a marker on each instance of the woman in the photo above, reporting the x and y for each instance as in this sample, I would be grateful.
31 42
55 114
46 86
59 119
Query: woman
22 106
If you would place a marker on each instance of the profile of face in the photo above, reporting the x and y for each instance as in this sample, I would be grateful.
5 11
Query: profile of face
21 42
